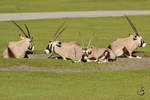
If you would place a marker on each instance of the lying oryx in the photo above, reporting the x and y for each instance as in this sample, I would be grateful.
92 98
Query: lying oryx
126 46
70 50
99 55
18 49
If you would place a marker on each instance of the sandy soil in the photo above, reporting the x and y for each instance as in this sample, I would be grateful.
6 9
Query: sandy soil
120 64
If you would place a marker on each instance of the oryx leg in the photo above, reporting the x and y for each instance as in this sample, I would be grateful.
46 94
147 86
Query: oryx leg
100 61
11 54
27 54
129 54
76 61
138 57
92 59
103 58
5 54
88 60
53 56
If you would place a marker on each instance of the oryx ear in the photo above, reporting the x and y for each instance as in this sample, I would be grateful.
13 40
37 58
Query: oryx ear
135 37
129 34
92 46
21 37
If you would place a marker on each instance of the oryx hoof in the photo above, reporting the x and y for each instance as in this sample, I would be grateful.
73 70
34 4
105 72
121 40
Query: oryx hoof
89 60
63 58
102 61
95 60
138 57
76 61
29 56
130 57
99 62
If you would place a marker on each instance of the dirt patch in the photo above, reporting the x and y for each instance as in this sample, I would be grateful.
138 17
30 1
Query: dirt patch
128 64
42 56
120 64
39 69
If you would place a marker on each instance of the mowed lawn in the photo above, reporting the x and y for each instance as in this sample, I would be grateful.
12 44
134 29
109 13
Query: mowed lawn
108 85
117 85
106 30
71 5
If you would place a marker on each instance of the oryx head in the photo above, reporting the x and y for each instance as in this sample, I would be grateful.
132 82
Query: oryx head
136 37
27 36
52 43
86 51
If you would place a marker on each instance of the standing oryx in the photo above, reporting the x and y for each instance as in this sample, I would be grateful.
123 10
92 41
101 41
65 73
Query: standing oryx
126 46
18 49
69 50
99 55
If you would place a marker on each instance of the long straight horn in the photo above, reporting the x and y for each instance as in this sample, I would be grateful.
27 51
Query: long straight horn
27 30
81 38
60 33
132 25
90 40
19 28
60 27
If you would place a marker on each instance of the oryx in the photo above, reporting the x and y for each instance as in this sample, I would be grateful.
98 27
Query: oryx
18 49
95 54
69 50
126 46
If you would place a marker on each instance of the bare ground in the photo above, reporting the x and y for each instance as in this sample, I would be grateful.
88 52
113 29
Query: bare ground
120 64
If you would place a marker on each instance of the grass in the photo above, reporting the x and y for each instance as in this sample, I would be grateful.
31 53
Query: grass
107 85
106 30
71 5
117 85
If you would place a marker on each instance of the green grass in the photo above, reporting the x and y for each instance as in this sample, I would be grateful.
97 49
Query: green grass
108 85
71 5
117 85
106 30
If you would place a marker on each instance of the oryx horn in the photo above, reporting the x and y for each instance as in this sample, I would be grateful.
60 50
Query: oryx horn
61 32
57 33
81 38
20 28
90 40
132 25
27 30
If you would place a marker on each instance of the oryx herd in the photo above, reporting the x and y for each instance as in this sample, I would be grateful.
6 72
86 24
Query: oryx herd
74 51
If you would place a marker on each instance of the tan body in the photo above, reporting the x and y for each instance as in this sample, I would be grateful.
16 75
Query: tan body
97 53
124 46
101 55
71 50
16 49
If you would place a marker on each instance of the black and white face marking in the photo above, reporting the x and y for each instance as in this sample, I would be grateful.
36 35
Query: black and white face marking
86 52
31 47
142 43
51 45
140 40
49 48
